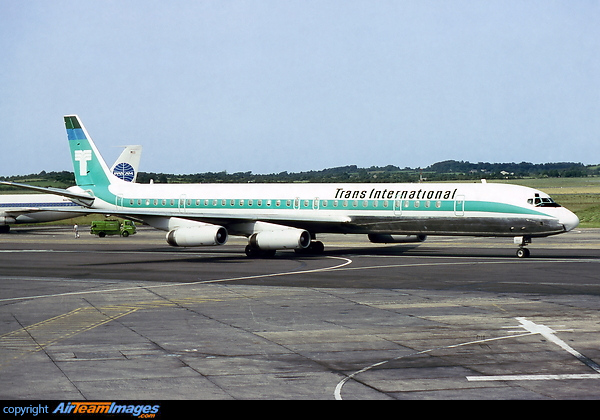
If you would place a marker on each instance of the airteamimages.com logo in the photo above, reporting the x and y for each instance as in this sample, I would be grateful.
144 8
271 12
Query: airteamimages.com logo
141 411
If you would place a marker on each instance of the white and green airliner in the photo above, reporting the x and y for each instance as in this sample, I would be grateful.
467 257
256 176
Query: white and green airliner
290 216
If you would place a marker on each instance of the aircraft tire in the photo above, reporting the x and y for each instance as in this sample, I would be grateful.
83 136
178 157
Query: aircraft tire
253 252
315 248
522 253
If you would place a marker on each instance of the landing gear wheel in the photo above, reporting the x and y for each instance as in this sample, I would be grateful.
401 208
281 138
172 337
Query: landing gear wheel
253 252
522 252
315 248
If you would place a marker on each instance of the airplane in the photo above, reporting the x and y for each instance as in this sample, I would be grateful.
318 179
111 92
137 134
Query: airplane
289 216
34 208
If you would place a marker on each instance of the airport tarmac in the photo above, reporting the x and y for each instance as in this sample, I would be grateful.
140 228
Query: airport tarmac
453 318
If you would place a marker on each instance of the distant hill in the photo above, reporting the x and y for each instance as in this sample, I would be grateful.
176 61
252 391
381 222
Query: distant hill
442 171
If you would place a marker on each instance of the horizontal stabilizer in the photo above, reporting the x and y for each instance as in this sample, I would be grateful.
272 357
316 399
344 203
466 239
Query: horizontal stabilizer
79 198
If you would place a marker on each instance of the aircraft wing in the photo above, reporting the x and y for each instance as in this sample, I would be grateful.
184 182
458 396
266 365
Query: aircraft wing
79 198
201 216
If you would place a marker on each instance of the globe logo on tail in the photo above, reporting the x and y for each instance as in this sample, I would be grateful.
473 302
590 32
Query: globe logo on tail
124 171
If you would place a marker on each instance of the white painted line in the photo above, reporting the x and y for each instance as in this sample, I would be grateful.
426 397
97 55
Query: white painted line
533 377
531 328
158 286
337 393
548 333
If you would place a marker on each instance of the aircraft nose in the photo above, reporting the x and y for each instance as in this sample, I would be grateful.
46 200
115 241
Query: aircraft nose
568 219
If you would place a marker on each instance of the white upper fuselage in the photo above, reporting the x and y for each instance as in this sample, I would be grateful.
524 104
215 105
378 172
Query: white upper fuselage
333 207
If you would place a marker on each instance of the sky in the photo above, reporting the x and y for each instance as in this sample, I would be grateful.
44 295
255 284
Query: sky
269 86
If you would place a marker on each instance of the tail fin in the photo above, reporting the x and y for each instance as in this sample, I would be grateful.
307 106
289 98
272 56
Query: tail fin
88 165
127 165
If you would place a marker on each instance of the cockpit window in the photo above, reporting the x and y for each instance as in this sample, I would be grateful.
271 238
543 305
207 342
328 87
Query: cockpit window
543 201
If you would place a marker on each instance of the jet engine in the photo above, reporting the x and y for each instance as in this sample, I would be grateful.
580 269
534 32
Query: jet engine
384 238
5 220
206 235
280 239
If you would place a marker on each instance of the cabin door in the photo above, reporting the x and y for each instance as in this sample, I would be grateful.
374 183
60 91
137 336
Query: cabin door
459 205
181 204
397 207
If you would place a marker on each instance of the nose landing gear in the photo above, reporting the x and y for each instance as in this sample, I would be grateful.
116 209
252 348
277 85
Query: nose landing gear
522 241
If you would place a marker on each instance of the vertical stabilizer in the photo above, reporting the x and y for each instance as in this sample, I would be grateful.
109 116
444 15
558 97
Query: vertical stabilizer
88 165
127 165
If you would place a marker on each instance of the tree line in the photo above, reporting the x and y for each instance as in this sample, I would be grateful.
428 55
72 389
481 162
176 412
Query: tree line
442 171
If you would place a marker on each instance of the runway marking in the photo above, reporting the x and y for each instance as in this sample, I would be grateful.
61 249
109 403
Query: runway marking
533 377
503 261
338 389
339 267
549 334
148 287
37 337
531 329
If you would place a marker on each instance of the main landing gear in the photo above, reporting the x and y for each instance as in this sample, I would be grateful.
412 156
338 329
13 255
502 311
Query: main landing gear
255 252
522 241
315 248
